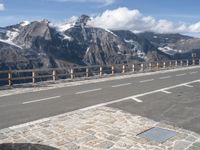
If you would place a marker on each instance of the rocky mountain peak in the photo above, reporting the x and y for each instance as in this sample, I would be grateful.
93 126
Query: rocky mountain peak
24 23
45 21
82 21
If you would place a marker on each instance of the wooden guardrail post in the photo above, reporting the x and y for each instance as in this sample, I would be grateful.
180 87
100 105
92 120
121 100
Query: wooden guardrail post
10 78
101 71
176 63
170 64
181 63
142 67
33 77
193 62
87 72
164 65
187 63
133 68
123 69
158 65
150 66
54 75
72 73
113 70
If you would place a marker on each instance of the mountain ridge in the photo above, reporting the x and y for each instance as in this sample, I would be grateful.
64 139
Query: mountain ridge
43 45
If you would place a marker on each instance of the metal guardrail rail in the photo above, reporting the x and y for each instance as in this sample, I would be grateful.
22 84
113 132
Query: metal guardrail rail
10 77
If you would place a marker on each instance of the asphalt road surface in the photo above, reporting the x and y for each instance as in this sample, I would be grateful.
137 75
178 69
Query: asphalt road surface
171 97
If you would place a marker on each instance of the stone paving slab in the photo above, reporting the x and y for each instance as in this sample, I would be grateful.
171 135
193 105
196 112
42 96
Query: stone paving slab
95 129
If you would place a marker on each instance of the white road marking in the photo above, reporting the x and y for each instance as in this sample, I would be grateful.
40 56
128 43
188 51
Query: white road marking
104 104
186 85
166 92
91 107
88 91
166 77
136 99
120 85
39 100
194 72
149 80
178 75
165 89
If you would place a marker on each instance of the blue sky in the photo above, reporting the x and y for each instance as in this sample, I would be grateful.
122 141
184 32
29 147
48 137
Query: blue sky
175 11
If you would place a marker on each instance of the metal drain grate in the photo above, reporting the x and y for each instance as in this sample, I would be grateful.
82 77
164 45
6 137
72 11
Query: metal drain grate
158 134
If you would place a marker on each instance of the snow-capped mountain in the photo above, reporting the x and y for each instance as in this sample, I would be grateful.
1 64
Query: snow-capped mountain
41 44
175 45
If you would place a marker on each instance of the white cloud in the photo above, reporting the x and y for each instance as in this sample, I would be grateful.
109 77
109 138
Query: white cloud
195 27
126 19
104 2
2 7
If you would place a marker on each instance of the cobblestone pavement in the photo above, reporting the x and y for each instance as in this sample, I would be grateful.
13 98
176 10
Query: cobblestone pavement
95 129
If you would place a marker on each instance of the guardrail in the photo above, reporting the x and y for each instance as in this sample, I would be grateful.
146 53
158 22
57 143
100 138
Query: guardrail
10 77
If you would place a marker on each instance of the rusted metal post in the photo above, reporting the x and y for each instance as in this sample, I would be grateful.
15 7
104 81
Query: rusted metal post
133 67
113 70
72 73
33 77
123 69
87 72
10 78
101 71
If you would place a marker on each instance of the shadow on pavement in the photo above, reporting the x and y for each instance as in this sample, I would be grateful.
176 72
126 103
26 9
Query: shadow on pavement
25 146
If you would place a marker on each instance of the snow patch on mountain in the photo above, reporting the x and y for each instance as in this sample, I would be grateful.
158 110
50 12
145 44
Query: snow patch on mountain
128 41
169 50
65 27
24 23
10 43
110 32
66 37
141 54
135 45
11 35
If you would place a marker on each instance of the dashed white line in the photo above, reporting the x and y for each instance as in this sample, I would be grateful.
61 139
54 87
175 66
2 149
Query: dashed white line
120 85
166 77
165 89
88 91
194 72
178 75
135 97
186 85
166 92
149 80
39 100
